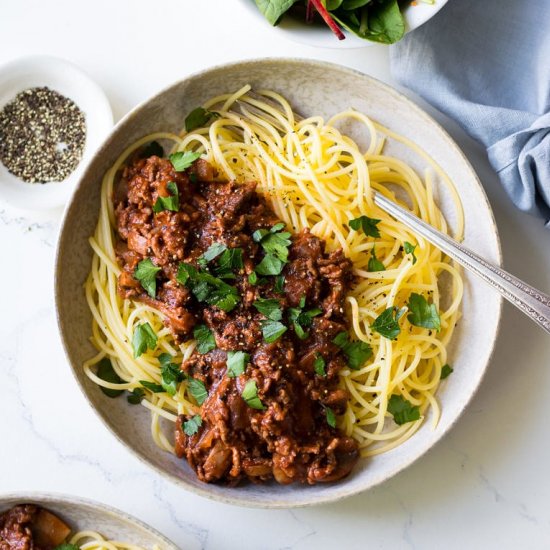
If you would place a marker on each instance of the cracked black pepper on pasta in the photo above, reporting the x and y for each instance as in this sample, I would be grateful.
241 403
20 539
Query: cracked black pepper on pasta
42 135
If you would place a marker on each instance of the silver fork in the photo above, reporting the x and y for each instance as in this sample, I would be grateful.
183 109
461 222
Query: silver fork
534 303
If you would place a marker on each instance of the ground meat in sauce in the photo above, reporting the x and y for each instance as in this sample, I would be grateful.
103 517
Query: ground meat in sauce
29 527
290 440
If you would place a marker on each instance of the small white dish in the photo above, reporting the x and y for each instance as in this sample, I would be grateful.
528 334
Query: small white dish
70 81
320 36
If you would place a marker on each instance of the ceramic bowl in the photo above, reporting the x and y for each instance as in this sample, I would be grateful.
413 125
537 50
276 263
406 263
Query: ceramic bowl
320 36
70 81
313 88
86 515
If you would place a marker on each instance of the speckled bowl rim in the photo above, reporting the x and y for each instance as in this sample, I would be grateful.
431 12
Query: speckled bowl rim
52 499
340 491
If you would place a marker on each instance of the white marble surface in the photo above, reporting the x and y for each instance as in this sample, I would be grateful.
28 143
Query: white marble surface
484 486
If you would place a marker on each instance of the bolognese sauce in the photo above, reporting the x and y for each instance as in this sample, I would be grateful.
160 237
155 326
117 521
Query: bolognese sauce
268 305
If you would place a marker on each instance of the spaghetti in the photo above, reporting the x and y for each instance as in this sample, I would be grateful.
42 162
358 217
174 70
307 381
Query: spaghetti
313 176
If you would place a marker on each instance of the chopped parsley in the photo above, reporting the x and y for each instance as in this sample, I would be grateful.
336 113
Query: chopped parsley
172 202
144 338
387 323
270 265
146 273
374 263
199 117
368 225
207 288
253 278
279 286
275 244
135 396
151 386
274 241
212 252
191 426
205 339
402 410
250 396
302 319
319 365
331 417
106 372
446 370
422 314
272 330
409 249
197 389
170 373
356 352
236 363
183 160
152 149
271 308
231 259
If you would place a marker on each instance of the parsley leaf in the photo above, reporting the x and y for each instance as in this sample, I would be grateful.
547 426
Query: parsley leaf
402 410
275 245
146 273
191 426
170 373
236 363
231 259
374 263
368 225
445 371
199 117
106 372
319 365
422 314
387 323
253 278
279 284
197 389
135 396
274 241
151 386
211 253
152 149
250 396
205 339
356 352
409 249
67 546
144 338
270 265
302 319
172 202
207 288
272 330
271 308
331 417
183 160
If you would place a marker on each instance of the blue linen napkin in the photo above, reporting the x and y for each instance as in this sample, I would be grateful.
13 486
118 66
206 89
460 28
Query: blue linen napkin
486 64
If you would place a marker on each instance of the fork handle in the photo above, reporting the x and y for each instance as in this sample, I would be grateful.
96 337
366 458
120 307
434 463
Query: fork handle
534 303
